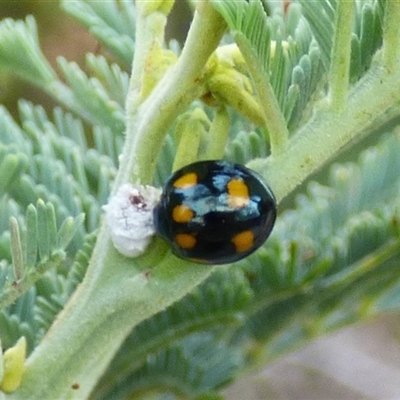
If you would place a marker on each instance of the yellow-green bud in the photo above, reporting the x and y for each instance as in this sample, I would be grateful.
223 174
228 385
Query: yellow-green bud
158 60
14 366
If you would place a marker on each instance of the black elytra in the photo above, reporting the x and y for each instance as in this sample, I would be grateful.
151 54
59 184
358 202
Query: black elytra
215 212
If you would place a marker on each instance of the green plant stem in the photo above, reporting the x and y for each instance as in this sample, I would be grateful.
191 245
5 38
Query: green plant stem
340 57
327 132
274 120
12 293
117 293
150 28
176 90
391 36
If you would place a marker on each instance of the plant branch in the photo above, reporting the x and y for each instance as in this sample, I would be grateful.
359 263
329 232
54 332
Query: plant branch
150 28
274 120
147 128
340 57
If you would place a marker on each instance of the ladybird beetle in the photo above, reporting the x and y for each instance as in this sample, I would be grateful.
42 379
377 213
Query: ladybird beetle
215 212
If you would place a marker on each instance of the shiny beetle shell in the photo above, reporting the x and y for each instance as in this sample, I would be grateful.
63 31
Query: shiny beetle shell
215 212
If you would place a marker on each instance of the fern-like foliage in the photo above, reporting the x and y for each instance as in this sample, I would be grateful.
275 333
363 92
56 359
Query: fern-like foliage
92 96
367 33
20 51
112 23
35 250
293 63
95 98
301 56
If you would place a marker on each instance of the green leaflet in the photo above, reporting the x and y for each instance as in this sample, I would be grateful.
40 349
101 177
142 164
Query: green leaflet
91 96
20 51
35 249
98 99
12 163
111 22
114 80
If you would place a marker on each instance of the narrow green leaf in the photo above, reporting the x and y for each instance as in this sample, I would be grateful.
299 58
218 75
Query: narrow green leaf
42 229
114 80
68 126
47 307
25 192
68 230
291 101
318 15
195 365
6 273
367 35
341 55
246 146
11 166
356 68
20 51
10 132
214 304
16 250
106 142
51 226
92 97
278 65
31 236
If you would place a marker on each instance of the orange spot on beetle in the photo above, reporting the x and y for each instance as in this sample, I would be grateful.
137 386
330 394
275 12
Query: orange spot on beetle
182 214
243 241
186 181
238 193
185 240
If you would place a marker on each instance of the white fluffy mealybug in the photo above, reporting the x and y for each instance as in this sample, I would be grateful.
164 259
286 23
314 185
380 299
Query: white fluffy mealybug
129 215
